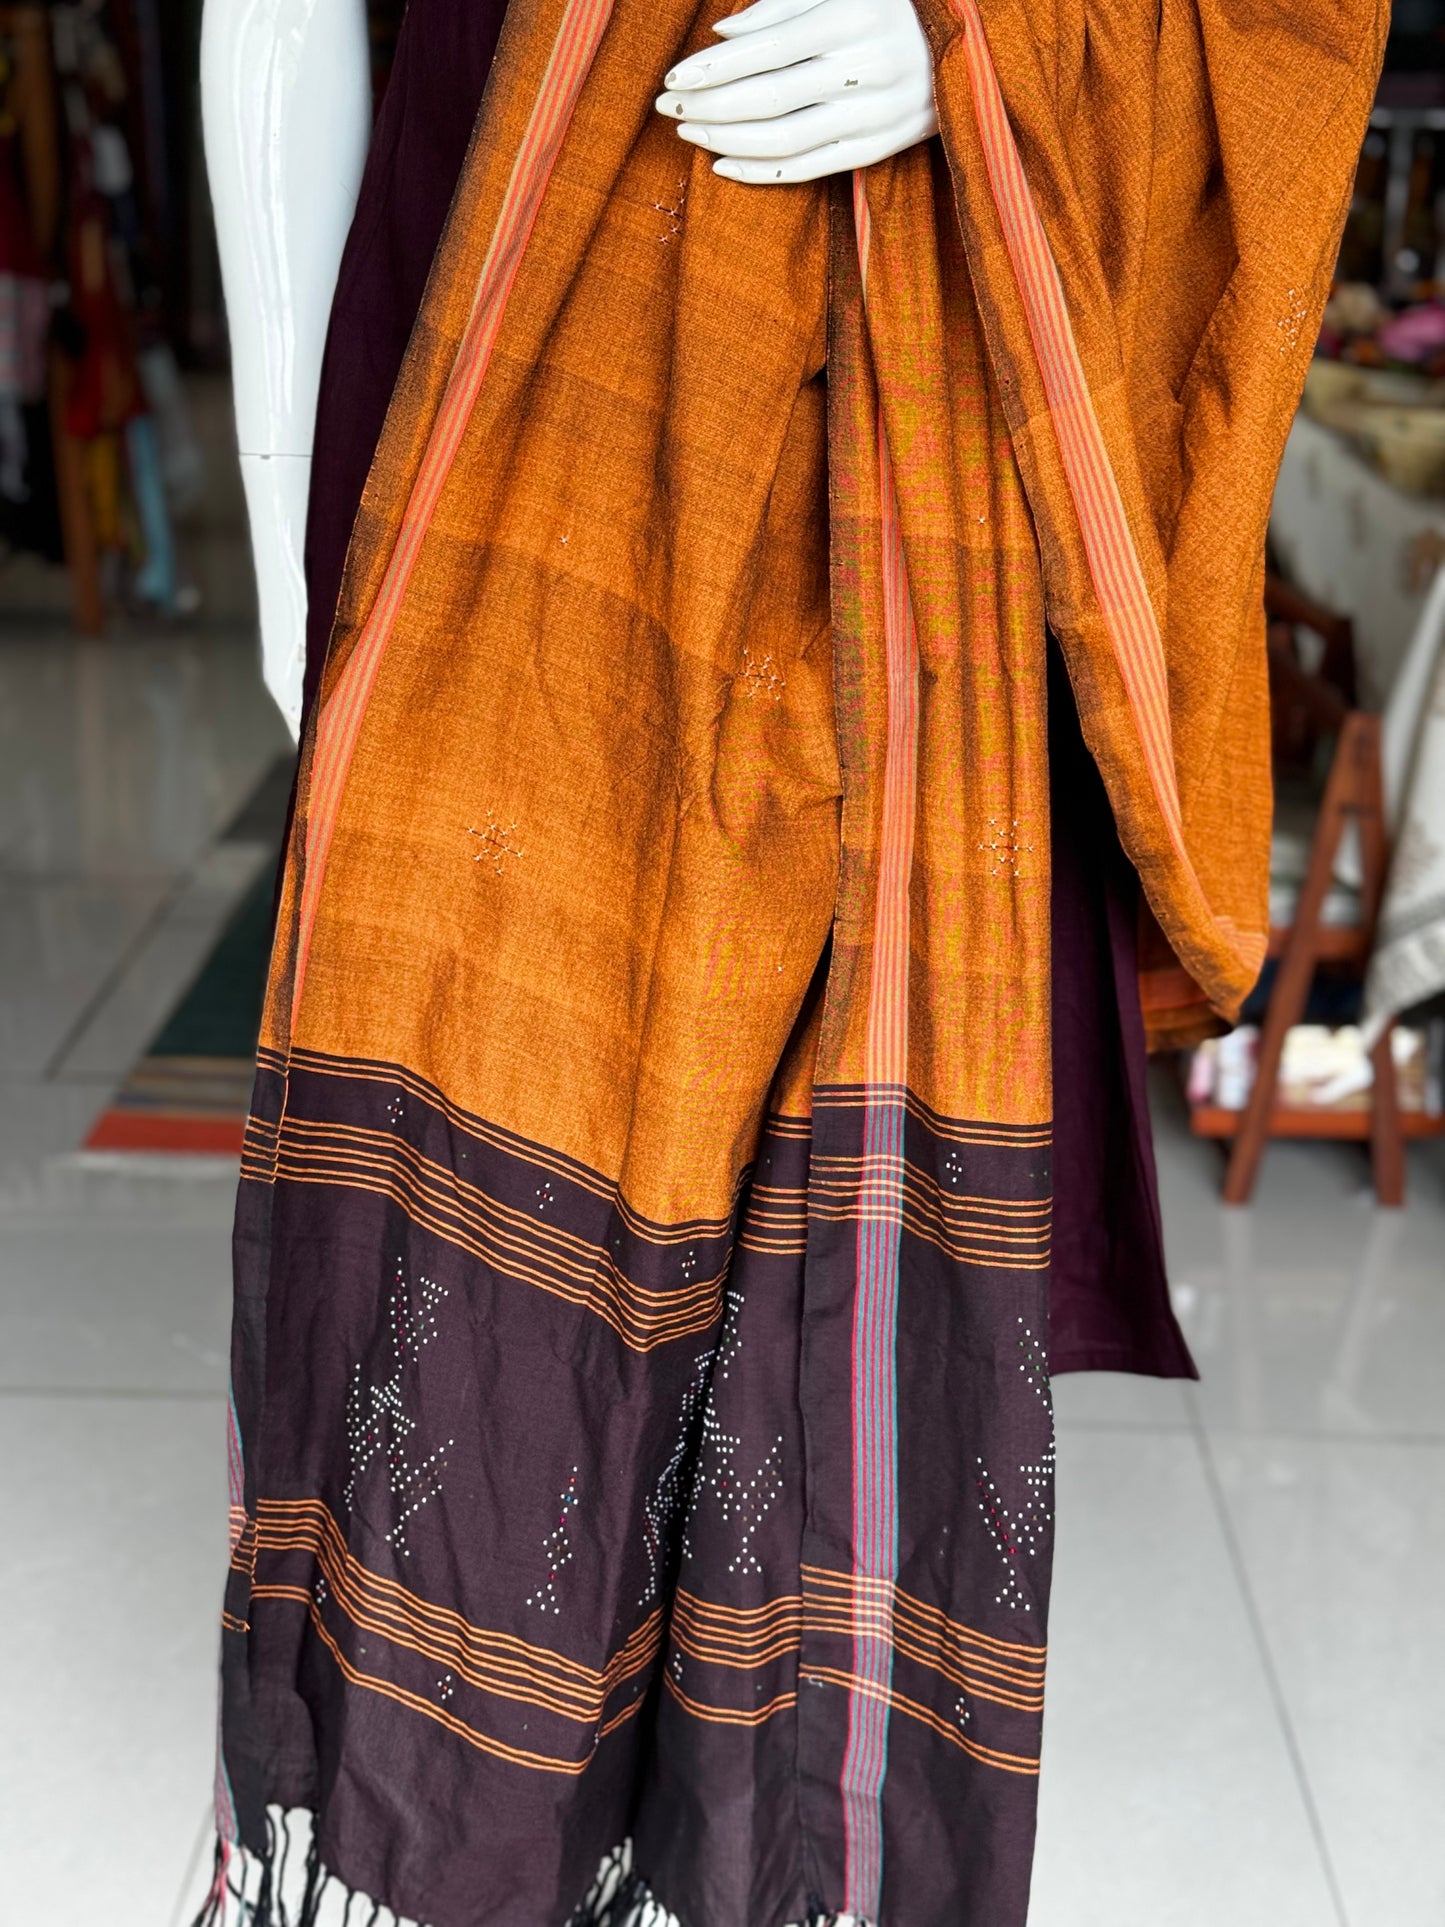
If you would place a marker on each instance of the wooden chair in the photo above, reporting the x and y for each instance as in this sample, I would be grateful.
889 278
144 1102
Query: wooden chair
1310 707
1352 795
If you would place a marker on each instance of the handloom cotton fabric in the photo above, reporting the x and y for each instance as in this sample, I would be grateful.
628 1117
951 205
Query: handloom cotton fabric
641 1352
1108 1302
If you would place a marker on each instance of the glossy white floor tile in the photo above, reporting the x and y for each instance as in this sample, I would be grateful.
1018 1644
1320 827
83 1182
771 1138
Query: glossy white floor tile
149 980
112 1515
124 756
1168 1797
1118 1399
99 1302
1311 1312
1344 1545
60 942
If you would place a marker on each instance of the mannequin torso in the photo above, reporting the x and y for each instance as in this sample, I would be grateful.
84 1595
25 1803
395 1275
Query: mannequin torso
286 97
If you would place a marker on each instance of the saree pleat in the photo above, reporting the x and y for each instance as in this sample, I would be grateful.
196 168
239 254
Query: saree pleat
642 1413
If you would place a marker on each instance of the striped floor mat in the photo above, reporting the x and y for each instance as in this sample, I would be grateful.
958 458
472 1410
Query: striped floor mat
191 1089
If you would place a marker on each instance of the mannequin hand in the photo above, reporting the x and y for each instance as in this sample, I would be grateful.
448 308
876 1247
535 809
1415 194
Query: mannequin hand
804 88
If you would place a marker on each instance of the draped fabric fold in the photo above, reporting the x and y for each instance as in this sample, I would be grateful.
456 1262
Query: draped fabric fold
642 1415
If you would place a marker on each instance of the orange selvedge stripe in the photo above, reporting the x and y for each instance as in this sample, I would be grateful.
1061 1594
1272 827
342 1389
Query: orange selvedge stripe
982 1681
689 1606
360 1148
745 1660
494 1663
739 1639
822 1579
696 1318
898 1702
880 1202
833 1603
315 1517
544 1256
726 1715
977 1681
1114 566
933 1629
339 722
556 1163
495 1671
484 1743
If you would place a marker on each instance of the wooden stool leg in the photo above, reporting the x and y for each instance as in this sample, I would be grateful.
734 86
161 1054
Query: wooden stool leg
1286 1004
81 555
1296 967
1387 1138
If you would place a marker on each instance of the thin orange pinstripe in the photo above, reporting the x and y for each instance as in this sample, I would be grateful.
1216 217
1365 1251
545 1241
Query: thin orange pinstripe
339 723
1113 559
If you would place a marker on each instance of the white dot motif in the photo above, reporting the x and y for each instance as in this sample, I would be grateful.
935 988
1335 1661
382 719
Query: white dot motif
1021 1533
496 842
1004 848
1292 320
557 1550
760 676
662 1506
744 1502
379 1429
673 211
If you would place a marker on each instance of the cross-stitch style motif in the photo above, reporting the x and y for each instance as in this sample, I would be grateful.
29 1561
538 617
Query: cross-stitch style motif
378 1425
1021 1533
1004 847
557 1550
496 842
718 1476
673 211
761 676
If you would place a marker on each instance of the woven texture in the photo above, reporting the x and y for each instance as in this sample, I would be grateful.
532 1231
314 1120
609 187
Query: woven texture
642 1408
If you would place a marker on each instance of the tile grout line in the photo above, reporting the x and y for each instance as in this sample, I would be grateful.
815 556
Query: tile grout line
190 1878
1257 1434
1235 1552
53 1071
129 1393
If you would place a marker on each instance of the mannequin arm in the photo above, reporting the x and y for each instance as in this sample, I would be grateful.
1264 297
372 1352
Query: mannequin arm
286 100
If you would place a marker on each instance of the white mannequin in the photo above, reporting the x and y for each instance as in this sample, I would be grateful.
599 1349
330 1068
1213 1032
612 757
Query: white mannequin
286 90
799 89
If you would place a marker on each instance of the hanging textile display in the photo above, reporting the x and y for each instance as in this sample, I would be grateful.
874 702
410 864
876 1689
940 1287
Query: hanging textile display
26 511
111 327
641 1442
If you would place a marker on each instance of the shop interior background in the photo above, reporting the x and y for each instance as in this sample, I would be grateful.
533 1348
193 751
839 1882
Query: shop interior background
1261 1747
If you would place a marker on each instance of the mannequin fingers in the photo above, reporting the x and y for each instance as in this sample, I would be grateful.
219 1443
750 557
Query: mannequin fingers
766 96
845 19
759 53
884 123
785 138
837 157
785 172
764 13
919 124
826 28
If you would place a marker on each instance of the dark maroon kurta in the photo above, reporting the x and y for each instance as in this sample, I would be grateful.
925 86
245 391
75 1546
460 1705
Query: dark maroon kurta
1109 1300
